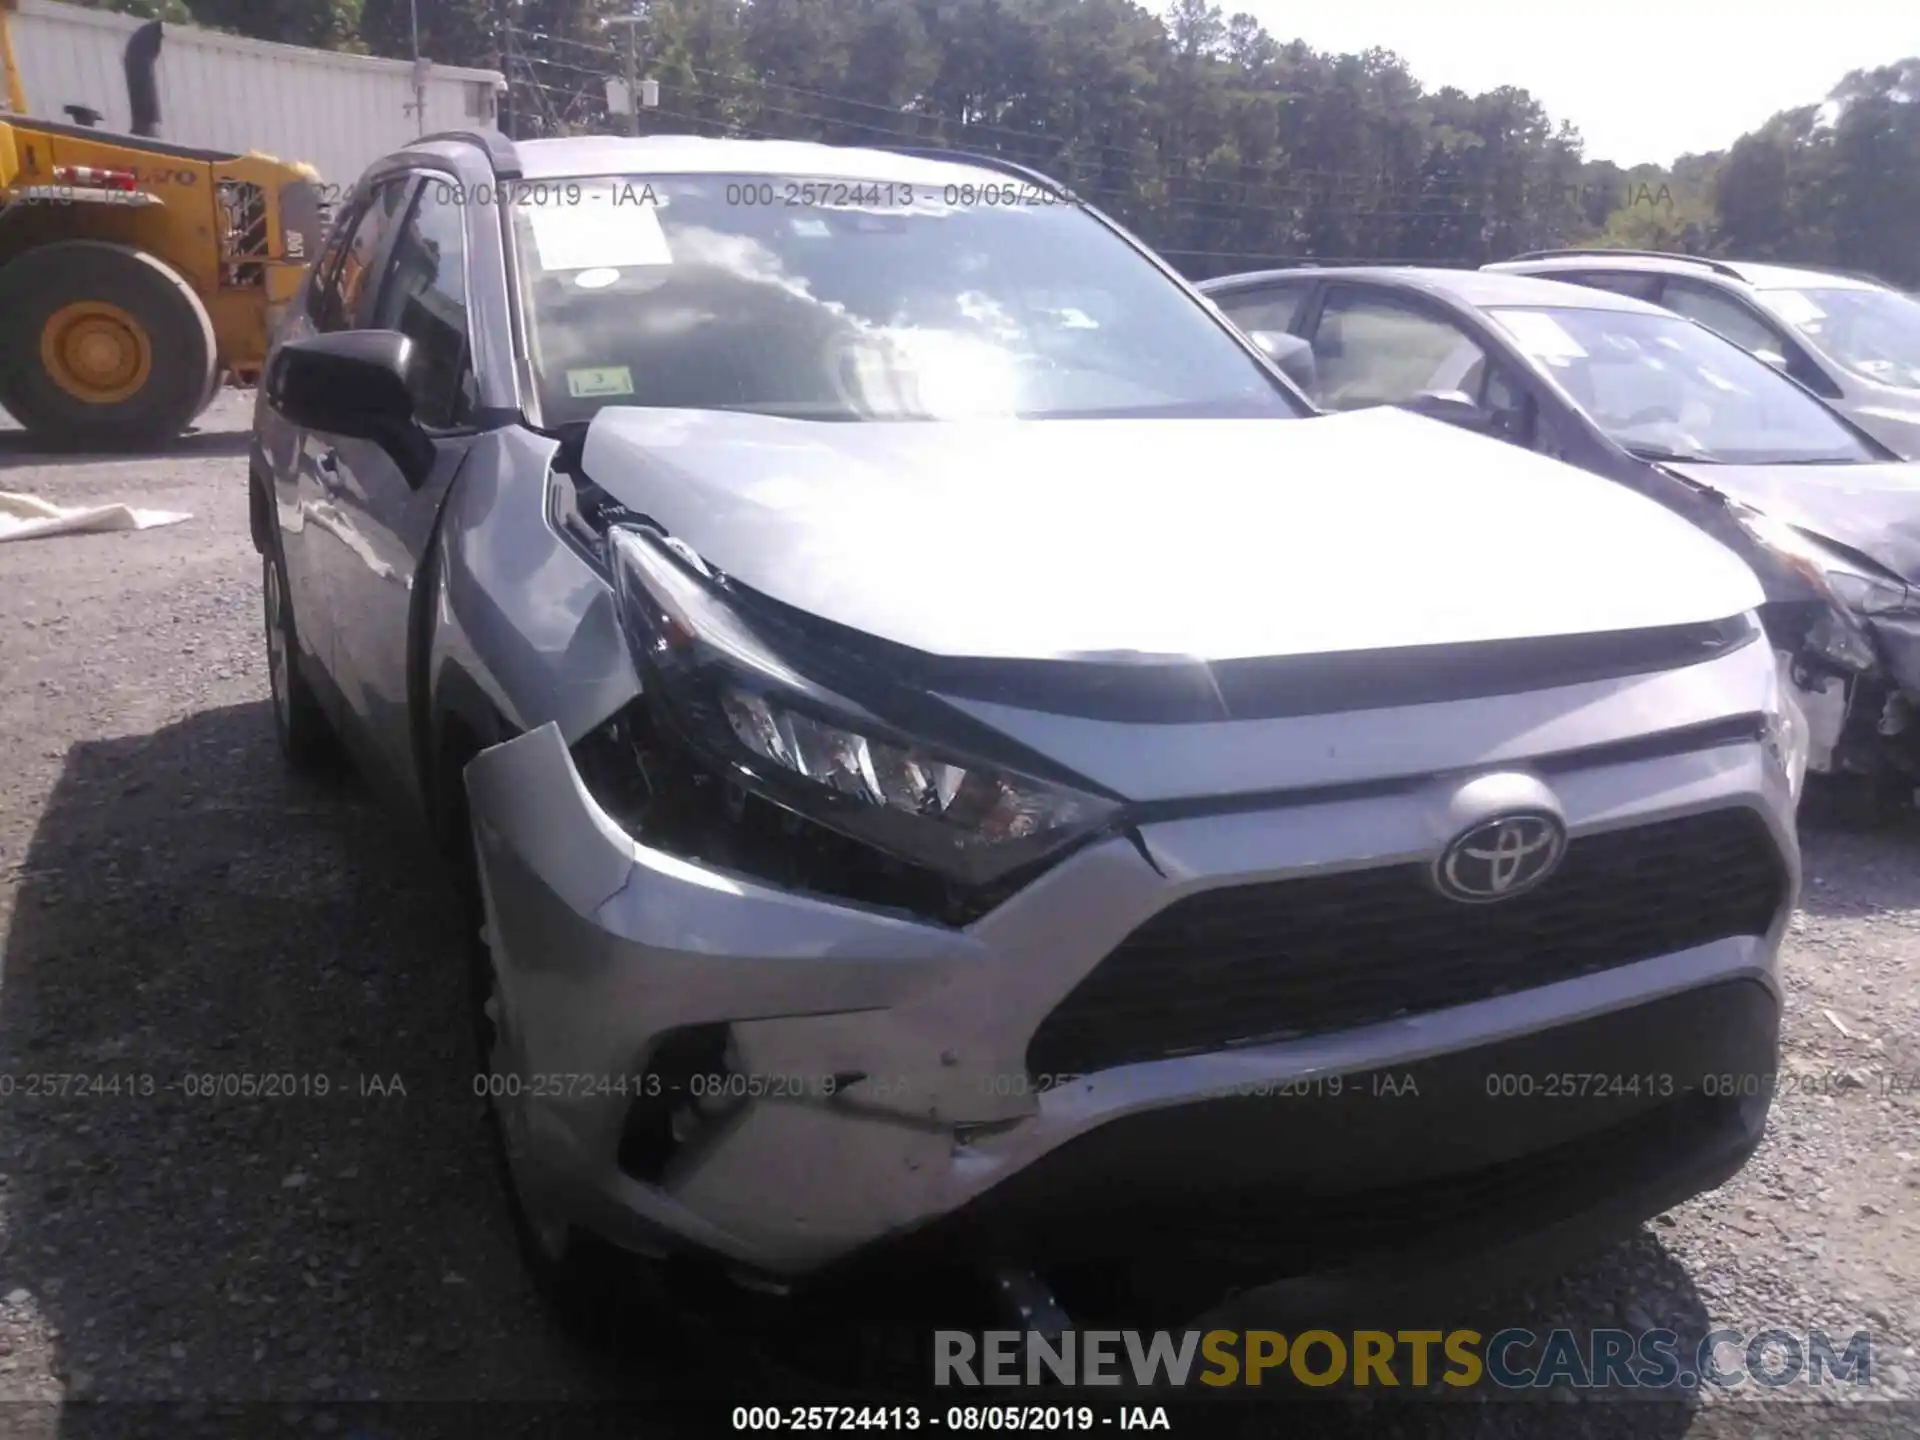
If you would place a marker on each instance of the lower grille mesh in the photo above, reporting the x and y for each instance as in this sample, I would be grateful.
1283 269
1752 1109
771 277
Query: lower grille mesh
1307 956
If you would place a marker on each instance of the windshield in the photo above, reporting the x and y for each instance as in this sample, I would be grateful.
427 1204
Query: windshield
1874 333
1667 388
844 300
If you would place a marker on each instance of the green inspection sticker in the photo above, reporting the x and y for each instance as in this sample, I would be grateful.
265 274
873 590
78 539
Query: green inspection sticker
599 380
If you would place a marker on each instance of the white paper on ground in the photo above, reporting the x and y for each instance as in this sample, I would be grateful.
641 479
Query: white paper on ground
27 517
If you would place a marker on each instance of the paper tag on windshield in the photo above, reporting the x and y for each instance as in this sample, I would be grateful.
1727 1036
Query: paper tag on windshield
597 234
598 381
1540 335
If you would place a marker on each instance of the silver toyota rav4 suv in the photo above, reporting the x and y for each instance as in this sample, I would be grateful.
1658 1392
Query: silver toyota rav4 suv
948 753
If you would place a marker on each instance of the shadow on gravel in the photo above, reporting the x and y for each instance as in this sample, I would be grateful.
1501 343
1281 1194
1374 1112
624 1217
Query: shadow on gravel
19 451
1856 871
242 1163
242 1155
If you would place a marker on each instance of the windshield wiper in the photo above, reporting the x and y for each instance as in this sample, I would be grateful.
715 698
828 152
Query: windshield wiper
1660 452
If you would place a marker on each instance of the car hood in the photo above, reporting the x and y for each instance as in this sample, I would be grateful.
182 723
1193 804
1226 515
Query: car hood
1156 538
1873 509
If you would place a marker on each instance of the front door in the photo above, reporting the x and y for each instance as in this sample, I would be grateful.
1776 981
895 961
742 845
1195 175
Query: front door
383 518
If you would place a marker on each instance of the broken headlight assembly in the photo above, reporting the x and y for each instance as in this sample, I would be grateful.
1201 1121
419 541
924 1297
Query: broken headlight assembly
766 735
1835 634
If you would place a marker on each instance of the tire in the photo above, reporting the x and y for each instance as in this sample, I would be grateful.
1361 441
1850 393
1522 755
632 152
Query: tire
216 382
102 346
596 1292
300 725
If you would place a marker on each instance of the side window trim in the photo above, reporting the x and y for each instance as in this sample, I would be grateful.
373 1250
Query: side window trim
327 267
1506 362
1269 293
419 180
369 194
1653 282
1500 358
408 182
1413 304
1802 368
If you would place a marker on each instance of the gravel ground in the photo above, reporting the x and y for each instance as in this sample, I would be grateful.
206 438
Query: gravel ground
174 905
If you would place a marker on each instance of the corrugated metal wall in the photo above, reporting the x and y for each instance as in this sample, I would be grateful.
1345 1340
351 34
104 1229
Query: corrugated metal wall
337 112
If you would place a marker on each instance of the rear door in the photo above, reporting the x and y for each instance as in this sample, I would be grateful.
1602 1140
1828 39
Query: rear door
385 519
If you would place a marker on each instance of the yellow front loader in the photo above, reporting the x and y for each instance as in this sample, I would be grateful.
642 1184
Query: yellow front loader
136 275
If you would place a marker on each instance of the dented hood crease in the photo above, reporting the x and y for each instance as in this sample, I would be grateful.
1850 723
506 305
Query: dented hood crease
1208 539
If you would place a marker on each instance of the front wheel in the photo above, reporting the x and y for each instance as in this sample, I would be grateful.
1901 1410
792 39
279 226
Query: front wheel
592 1288
299 724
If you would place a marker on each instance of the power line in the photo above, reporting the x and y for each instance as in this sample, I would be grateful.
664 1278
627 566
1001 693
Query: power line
1058 143
1134 200
1307 196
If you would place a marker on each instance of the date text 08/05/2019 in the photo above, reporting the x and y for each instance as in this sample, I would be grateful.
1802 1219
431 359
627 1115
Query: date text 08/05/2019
900 1419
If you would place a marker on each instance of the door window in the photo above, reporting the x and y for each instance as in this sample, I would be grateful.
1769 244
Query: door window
1727 317
1510 406
320 285
1370 350
424 296
1735 321
1271 309
339 300
1641 285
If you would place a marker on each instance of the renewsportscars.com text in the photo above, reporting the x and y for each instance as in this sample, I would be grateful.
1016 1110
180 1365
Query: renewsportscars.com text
1511 1359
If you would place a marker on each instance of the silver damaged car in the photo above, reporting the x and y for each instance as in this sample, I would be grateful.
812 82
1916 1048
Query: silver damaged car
947 753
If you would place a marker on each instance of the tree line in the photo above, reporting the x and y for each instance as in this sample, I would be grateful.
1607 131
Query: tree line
1224 146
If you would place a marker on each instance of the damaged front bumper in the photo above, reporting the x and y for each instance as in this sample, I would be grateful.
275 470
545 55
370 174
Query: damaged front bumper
874 1072
1866 722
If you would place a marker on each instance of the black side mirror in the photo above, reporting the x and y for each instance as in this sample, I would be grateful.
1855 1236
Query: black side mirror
1293 355
1455 408
353 383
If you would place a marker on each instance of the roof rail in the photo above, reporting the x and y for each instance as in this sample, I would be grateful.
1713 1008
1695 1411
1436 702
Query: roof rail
985 162
1719 267
499 149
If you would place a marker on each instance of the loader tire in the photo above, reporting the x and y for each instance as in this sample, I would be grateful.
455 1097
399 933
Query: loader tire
102 347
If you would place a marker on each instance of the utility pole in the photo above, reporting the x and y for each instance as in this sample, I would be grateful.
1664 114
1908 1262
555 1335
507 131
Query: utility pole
419 70
633 77
631 24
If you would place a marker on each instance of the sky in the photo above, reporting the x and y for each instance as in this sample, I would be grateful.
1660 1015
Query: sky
1643 81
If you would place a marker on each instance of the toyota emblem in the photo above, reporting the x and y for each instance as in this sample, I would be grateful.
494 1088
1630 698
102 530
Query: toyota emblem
1500 858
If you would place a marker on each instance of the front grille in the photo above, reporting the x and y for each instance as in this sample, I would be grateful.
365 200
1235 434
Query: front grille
1255 963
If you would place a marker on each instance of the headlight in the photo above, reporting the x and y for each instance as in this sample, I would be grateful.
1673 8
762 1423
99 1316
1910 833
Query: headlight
1871 594
724 691
1856 589
1836 635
